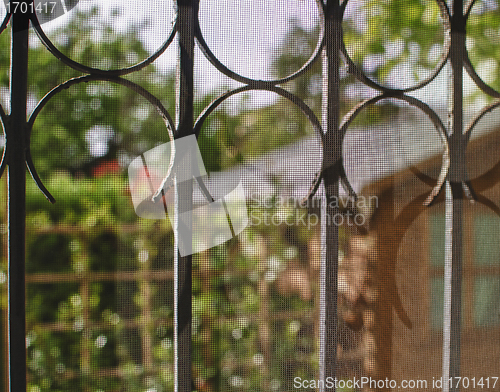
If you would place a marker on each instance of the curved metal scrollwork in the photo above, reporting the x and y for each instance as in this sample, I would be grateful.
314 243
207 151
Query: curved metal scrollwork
272 86
363 78
460 188
93 74
262 84
89 78
95 71
387 92
332 170
418 205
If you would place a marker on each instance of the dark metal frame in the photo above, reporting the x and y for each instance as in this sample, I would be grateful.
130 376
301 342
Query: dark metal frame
331 50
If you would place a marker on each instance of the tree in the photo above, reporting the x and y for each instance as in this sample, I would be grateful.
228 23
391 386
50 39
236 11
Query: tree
83 122
102 119
396 44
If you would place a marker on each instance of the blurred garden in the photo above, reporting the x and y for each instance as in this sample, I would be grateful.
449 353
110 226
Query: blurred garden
100 279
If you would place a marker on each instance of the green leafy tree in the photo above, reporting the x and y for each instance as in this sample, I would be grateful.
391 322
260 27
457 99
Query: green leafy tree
94 119
102 119
396 44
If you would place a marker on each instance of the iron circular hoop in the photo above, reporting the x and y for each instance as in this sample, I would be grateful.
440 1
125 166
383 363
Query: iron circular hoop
468 134
349 118
243 79
99 78
5 22
483 112
96 71
306 110
354 69
95 78
470 68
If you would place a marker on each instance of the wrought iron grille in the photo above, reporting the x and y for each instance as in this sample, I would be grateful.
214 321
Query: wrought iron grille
331 51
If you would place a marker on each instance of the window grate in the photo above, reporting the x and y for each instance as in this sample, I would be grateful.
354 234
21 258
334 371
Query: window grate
452 183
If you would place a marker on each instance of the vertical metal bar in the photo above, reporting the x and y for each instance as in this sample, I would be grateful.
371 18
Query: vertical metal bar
331 155
5 292
16 145
454 207
186 12
448 240
322 299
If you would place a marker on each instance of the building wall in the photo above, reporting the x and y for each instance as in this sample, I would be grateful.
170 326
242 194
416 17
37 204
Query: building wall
408 251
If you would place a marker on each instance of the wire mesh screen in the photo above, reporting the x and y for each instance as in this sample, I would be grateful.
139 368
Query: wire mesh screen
251 195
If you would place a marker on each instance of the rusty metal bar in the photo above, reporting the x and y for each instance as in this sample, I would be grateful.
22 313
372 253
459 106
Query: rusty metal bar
454 205
331 155
16 144
187 11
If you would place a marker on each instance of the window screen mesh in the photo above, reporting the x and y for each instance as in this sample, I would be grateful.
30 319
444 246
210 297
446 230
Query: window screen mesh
274 118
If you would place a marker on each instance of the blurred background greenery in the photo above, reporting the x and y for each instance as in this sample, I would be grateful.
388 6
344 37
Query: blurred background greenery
99 279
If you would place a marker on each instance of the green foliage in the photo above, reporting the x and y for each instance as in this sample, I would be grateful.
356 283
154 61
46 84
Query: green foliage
252 133
227 297
249 332
103 110
401 36
85 322
483 42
